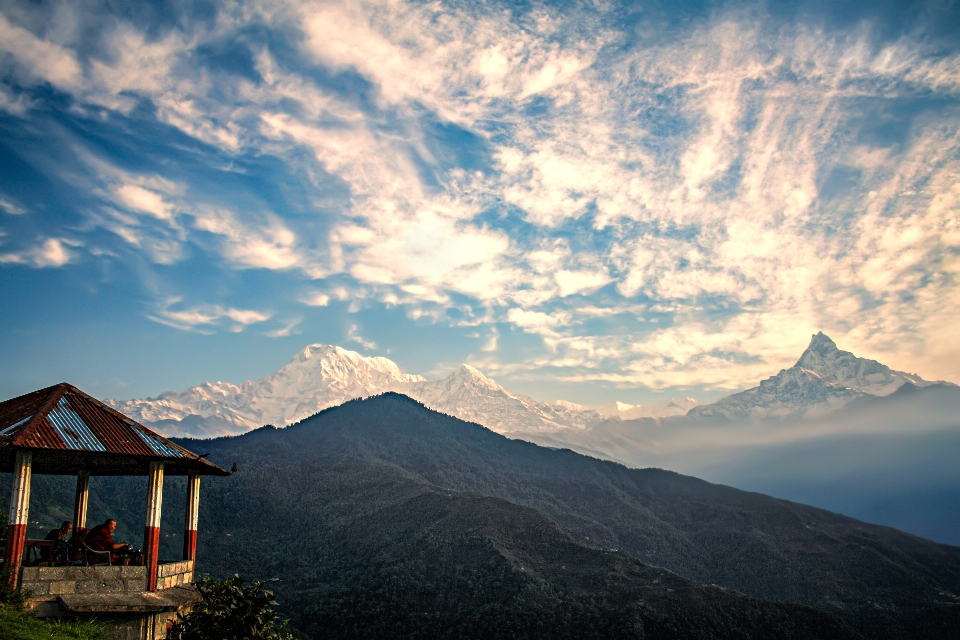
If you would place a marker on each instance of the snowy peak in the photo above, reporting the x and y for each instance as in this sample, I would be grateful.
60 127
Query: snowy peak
339 364
471 378
824 358
665 409
317 377
825 378
322 376
822 344
470 395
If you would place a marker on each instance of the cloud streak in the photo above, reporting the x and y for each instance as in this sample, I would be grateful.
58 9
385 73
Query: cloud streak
679 211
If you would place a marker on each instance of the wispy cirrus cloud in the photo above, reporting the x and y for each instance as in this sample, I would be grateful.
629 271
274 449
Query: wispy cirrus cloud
353 335
205 318
679 210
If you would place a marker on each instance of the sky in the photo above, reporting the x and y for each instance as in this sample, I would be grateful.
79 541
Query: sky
593 201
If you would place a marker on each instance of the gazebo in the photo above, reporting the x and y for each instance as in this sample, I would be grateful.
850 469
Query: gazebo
61 430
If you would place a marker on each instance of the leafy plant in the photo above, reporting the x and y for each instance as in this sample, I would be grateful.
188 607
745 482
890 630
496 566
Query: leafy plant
231 610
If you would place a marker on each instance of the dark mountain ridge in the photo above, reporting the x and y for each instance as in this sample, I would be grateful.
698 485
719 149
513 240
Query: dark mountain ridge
878 579
385 519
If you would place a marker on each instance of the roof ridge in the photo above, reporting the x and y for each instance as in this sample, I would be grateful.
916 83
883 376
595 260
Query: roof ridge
58 391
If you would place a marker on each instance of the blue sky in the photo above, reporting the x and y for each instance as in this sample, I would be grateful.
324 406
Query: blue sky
592 201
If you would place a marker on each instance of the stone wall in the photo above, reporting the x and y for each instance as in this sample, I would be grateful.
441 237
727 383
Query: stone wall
48 584
54 581
174 574
138 627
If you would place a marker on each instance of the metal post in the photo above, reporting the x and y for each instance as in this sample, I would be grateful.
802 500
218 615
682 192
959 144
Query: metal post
80 501
190 523
151 529
19 510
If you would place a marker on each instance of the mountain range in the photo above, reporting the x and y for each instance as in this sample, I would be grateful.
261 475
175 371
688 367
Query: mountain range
322 376
836 431
824 379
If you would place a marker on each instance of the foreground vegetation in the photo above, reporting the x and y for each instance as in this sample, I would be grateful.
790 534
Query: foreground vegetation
17 624
231 610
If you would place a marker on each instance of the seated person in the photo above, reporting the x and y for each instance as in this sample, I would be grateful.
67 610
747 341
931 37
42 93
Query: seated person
76 549
100 538
60 550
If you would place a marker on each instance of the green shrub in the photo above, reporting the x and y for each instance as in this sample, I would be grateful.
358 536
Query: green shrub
231 611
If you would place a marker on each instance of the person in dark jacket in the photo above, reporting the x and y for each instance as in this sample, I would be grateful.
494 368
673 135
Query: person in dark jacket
60 549
76 549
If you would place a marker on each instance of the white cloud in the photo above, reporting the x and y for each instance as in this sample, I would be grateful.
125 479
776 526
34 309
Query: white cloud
267 246
287 329
40 59
316 299
50 253
353 335
491 343
205 318
11 208
139 199
571 282
691 172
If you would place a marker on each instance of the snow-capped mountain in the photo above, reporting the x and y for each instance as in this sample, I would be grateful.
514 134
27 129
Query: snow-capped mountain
470 395
667 408
324 376
318 377
823 379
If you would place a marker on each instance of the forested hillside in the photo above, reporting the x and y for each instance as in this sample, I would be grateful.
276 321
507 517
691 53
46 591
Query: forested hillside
383 518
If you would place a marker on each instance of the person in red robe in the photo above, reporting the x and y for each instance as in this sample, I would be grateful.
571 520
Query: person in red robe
100 538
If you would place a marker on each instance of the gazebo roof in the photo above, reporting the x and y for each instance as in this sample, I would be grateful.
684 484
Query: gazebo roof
69 431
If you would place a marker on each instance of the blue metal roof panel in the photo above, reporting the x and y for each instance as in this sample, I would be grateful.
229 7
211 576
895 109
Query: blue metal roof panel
158 446
15 425
72 429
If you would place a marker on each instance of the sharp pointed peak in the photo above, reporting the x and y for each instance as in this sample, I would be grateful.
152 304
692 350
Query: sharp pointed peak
821 342
468 374
469 370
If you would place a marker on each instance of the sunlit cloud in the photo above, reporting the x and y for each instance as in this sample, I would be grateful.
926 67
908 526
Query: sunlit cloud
353 335
52 252
681 211
205 318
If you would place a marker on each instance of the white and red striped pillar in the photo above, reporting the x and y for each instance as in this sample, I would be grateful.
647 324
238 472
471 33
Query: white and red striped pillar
193 512
80 500
151 528
19 510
